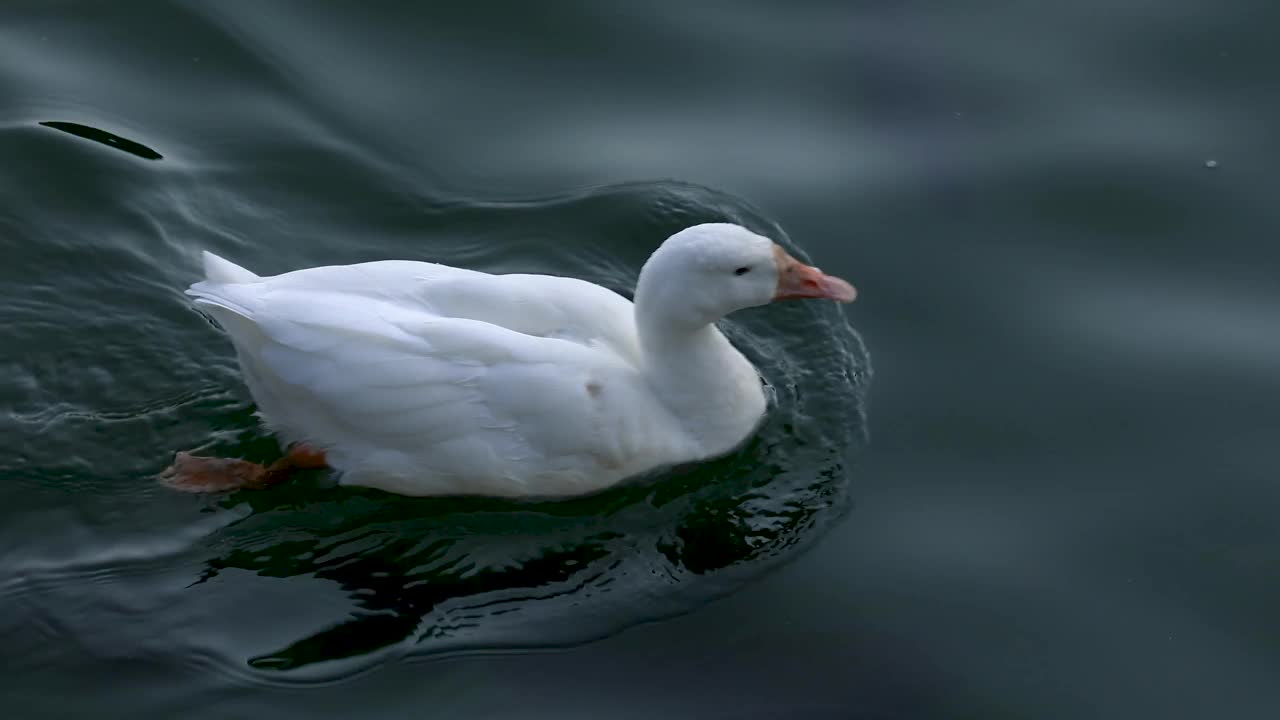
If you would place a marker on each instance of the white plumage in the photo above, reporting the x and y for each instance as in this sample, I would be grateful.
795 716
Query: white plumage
424 379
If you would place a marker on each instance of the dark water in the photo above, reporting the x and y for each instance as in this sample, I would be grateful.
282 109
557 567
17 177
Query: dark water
1058 499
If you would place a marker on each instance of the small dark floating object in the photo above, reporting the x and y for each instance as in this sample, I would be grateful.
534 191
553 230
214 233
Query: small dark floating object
104 137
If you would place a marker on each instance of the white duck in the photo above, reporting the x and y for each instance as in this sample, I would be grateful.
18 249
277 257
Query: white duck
425 379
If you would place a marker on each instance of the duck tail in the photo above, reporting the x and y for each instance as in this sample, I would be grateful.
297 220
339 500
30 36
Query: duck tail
219 270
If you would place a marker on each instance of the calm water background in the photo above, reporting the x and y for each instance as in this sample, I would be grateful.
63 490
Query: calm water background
1062 500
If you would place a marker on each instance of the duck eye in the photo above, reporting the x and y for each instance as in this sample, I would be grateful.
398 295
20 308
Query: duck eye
742 270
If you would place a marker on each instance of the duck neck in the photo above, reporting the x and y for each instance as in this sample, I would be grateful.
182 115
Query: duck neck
706 383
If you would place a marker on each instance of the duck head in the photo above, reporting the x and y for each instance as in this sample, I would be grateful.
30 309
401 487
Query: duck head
714 269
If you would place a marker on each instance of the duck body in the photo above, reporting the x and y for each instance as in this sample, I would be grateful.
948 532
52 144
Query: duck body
424 379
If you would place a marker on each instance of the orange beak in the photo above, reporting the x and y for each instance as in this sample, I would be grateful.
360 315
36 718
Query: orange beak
797 280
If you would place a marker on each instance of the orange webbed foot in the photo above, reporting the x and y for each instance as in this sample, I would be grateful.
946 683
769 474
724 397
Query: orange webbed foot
196 474
304 457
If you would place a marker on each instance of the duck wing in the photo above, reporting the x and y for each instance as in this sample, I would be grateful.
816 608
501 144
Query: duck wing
539 305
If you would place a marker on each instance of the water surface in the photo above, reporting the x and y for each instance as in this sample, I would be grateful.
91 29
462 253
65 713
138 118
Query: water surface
1055 498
